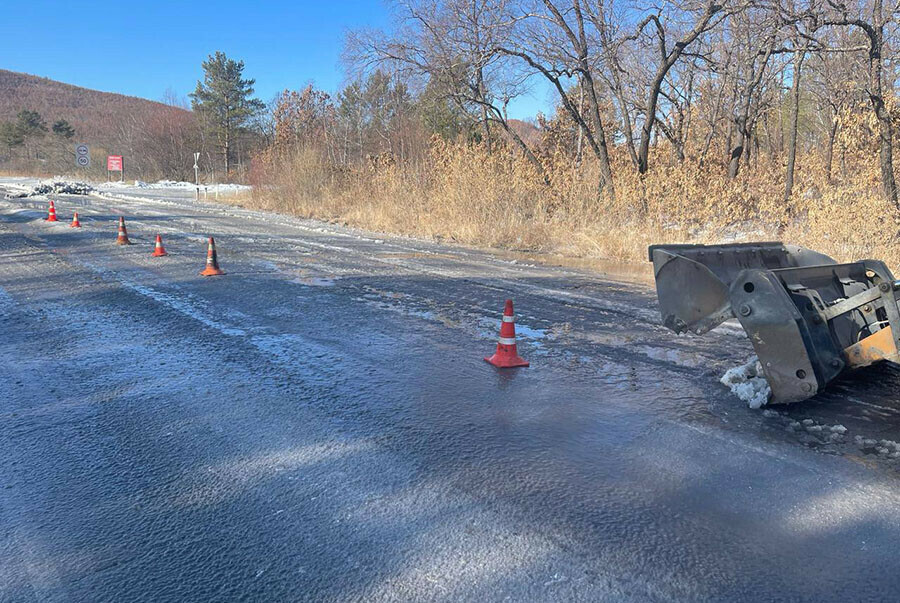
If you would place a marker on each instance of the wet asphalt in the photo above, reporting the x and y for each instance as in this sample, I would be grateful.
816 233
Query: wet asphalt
318 424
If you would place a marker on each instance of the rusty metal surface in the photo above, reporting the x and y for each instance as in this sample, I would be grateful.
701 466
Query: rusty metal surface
874 348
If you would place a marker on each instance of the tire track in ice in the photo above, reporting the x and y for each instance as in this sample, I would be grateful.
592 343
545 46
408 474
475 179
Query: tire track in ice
172 301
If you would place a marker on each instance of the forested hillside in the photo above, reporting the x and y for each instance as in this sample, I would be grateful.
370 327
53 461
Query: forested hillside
96 116
156 138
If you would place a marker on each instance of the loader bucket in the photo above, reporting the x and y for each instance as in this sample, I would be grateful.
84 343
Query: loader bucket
807 316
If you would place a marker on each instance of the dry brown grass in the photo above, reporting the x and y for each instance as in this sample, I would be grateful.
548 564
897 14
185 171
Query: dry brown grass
461 193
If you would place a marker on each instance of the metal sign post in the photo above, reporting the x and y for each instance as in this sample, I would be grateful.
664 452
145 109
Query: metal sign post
82 155
115 163
197 173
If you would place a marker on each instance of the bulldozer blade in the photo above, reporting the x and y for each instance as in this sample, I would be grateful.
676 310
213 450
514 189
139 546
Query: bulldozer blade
808 317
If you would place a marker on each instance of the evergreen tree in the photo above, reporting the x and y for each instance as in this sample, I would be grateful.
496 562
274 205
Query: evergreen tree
10 136
440 115
223 101
30 124
62 129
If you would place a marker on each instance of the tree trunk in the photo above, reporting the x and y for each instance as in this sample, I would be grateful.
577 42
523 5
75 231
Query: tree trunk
795 118
487 130
734 163
227 149
886 159
876 95
606 181
829 149
743 117
668 61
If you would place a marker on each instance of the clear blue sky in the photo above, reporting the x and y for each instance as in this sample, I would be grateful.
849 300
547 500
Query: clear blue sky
144 47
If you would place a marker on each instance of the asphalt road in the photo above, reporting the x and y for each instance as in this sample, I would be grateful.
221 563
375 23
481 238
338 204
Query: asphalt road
318 424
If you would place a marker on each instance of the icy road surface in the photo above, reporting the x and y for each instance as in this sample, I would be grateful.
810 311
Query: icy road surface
319 424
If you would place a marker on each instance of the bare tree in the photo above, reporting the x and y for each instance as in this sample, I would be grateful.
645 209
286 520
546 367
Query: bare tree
456 45
553 41
757 35
873 27
711 13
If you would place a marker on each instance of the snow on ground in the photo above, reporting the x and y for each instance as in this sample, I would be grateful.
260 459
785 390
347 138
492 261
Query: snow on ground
174 184
60 185
748 383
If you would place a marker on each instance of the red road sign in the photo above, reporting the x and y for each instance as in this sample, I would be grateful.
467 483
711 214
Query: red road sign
114 163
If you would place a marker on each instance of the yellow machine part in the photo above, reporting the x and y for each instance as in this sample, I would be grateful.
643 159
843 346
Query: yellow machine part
874 348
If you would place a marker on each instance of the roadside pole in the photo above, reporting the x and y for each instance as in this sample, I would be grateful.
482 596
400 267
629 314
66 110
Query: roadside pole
82 156
197 173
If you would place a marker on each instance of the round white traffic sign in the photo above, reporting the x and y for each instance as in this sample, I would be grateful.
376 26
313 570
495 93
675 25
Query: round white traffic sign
81 149
83 160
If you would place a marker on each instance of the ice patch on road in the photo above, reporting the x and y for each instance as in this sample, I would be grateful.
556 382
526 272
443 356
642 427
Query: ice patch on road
492 326
184 307
686 358
181 305
6 302
748 383
315 281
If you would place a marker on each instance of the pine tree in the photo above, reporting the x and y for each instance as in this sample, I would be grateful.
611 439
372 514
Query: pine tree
31 127
63 129
10 136
223 101
31 124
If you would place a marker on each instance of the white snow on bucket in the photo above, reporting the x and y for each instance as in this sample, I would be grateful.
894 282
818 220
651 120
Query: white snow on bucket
748 383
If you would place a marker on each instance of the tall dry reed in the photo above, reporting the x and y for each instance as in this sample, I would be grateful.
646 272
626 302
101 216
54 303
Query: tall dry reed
462 193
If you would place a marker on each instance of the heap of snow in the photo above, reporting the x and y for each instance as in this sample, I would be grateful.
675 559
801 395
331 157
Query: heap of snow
748 383
171 184
192 185
124 184
59 187
177 185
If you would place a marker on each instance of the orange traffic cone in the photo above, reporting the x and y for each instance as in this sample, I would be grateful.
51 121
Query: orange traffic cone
122 239
212 263
51 213
75 223
507 356
159 250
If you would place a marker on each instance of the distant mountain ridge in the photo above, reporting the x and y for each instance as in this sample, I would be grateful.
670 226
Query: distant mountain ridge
98 117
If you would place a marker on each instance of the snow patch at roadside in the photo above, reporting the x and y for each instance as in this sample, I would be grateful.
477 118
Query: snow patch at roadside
174 184
748 383
59 187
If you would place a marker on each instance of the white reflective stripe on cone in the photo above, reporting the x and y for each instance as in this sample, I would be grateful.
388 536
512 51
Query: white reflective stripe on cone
508 340
509 318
